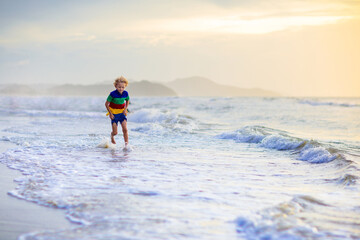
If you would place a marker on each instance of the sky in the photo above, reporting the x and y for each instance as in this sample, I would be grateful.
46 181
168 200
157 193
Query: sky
293 47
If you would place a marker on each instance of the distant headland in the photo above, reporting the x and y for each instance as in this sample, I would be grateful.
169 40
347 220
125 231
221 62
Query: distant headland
185 87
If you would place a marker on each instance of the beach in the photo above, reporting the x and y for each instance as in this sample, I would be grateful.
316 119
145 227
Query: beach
196 168
17 216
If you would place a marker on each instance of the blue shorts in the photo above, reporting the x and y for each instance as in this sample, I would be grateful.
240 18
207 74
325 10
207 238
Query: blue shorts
118 118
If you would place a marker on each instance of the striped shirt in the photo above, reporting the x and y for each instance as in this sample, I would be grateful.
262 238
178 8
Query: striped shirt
117 101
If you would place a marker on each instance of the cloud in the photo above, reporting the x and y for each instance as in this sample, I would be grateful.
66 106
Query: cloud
257 17
82 37
237 25
11 64
168 22
22 63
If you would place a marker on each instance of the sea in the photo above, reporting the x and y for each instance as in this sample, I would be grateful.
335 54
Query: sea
196 167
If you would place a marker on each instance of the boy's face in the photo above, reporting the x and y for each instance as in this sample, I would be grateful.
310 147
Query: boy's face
120 87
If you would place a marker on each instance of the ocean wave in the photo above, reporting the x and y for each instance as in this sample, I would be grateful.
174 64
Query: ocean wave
306 150
151 116
92 104
334 103
157 121
303 217
346 180
68 107
56 113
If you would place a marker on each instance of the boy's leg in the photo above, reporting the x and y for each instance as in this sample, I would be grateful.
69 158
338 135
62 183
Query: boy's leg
113 133
125 132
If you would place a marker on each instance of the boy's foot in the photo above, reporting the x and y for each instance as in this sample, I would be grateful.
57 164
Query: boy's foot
127 147
112 139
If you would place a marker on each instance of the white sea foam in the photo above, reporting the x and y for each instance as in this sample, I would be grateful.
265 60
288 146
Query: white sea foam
280 142
316 155
92 104
158 116
294 220
246 135
106 143
58 113
157 121
270 138
128 148
149 116
333 102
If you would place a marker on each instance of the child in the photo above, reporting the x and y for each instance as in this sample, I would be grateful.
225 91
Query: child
117 104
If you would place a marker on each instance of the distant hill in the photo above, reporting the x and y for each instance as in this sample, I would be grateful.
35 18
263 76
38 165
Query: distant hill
193 86
146 88
16 89
199 86
80 90
142 88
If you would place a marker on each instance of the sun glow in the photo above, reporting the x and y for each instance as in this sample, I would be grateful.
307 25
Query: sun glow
237 25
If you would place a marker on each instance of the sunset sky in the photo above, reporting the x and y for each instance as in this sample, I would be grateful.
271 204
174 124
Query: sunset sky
296 48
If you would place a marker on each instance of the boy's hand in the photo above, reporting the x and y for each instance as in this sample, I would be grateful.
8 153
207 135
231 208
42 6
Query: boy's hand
111 116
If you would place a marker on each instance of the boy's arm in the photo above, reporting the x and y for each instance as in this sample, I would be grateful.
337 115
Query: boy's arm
107 105
126 106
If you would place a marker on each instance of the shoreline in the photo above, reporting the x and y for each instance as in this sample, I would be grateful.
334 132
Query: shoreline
17 216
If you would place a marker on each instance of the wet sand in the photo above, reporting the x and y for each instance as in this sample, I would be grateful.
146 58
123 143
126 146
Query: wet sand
17 216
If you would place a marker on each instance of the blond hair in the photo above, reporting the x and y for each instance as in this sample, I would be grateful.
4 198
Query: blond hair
121 79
